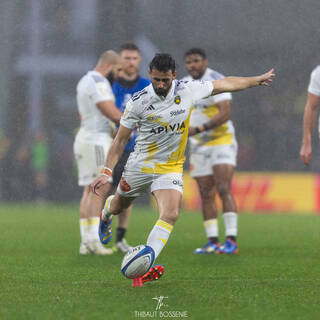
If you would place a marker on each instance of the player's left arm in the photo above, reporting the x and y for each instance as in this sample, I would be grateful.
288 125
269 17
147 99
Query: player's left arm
113 157
230 84
217 120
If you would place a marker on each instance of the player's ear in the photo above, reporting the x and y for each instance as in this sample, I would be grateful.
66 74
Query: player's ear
174 75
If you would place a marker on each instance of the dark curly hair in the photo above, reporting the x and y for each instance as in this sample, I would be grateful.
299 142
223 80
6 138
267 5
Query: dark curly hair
163 62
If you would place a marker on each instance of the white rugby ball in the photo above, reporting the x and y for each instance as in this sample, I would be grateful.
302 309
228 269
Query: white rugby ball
137 261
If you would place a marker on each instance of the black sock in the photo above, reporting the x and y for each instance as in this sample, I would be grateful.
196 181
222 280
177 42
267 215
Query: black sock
120 234
214 240
233 238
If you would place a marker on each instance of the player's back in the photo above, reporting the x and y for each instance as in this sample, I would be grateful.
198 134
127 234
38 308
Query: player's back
92 89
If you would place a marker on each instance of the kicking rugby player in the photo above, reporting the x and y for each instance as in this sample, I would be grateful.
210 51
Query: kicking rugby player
161 112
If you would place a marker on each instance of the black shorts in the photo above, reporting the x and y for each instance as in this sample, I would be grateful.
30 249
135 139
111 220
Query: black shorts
118 169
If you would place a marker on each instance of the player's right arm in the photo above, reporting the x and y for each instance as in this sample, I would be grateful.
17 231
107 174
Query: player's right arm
310 114
109 110
230 84
113 156
221 117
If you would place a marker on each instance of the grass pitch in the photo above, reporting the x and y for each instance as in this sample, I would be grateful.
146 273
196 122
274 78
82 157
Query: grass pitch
276 274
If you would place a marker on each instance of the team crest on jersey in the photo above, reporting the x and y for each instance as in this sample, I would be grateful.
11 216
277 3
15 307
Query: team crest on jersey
177 99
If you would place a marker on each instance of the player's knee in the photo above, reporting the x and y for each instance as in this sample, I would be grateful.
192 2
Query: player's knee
206 193
223 189
170 216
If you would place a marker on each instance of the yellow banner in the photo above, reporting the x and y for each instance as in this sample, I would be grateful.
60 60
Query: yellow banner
265 192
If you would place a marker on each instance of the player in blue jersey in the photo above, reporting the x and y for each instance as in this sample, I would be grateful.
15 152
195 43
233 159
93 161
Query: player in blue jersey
128 83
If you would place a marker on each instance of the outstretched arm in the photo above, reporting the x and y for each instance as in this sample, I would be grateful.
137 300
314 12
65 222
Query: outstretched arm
113 156
230 84
217 120
310 113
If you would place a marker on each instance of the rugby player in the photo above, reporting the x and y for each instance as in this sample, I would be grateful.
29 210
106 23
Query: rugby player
213 154
310 114
161 112
97 110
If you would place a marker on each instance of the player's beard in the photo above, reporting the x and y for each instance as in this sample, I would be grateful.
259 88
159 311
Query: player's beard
160 91
196 74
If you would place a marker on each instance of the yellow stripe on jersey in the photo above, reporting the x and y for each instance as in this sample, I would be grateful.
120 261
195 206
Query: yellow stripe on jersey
164 225
220 135
176 158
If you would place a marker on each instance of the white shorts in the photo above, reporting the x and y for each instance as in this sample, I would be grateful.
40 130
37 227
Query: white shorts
133 183
90 160
204 158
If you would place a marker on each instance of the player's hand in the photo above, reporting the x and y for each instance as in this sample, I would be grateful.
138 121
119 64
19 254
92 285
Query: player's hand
266 79
306 154
103 180
192 131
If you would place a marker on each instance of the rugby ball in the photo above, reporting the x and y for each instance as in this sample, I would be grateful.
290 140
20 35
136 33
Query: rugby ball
137 261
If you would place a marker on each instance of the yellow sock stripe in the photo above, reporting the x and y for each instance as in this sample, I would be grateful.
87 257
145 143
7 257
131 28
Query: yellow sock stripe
93 221
84 222
165 225
210 222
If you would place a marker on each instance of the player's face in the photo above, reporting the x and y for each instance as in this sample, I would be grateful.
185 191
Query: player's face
131 61
195 65
161 81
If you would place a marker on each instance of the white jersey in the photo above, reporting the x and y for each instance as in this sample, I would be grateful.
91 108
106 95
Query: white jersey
205 109
314 85
163 124
95 126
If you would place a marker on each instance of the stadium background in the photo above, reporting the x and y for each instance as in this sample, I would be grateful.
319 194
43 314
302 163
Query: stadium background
46 46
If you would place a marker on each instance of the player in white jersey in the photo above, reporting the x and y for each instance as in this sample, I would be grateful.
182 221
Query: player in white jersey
161 112
213 152
310 114
97 111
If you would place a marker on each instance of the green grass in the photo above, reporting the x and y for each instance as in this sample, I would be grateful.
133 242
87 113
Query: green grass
275 276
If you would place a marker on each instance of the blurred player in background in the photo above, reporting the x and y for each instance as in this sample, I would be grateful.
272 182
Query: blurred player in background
161 111
310 114
213 153
127 84
97 112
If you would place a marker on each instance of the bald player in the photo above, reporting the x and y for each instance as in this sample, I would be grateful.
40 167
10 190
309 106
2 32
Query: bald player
98 114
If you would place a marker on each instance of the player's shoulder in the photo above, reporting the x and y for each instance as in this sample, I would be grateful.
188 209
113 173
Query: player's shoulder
140 99
212 75
90 79
316 72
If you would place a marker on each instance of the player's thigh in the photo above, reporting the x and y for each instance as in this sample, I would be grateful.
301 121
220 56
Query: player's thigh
168 189
90 159
134 183
223 174
206 186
